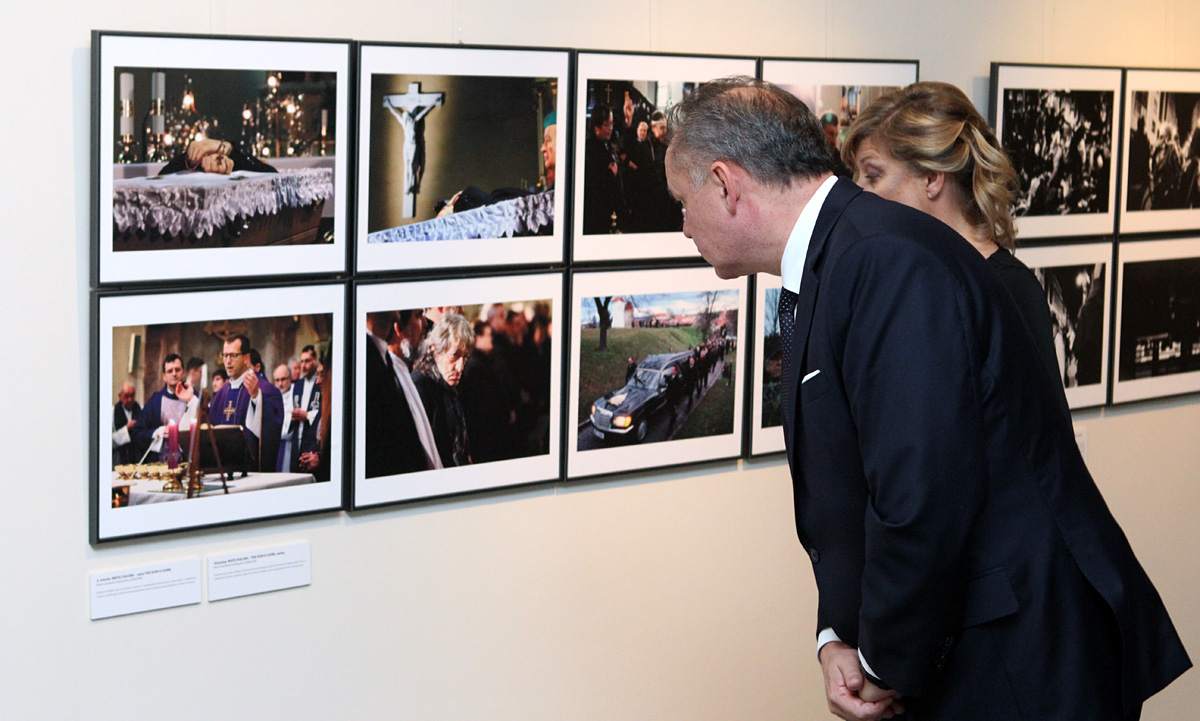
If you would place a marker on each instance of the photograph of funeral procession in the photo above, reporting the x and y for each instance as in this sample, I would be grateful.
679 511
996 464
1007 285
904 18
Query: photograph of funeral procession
258 388
657 367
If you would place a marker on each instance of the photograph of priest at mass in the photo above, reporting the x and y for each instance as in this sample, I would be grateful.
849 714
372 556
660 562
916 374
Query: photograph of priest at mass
207 158
456 157
456 385
268 377
625 150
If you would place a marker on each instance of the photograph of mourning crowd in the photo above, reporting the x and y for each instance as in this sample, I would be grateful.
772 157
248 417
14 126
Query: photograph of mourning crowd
1075 294
625 148
456 385
205 158
259 389
1160 318
837 106
456 157
1060 144
656 367
1164 151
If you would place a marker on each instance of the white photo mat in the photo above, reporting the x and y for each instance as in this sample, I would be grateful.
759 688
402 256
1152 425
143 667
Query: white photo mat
661 68
1162 385
762 439
460 479
160 53
1034 77
431 60
616 459
136 310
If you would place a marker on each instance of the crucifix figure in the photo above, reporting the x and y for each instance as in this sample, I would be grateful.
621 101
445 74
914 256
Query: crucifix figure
410 109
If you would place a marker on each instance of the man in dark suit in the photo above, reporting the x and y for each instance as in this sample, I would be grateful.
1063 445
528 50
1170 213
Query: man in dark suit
125 414
398 436
966 564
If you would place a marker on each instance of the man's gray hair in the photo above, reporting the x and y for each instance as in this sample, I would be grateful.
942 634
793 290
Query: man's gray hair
755 124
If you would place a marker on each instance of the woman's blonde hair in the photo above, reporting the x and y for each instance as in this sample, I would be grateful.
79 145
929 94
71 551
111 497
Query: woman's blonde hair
933 127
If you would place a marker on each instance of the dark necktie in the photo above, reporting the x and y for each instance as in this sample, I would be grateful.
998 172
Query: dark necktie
787 328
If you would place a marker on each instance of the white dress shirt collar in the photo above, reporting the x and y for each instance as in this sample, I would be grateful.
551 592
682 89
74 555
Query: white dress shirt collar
792 267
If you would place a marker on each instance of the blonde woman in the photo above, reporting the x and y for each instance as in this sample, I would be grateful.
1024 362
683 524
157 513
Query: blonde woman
927 146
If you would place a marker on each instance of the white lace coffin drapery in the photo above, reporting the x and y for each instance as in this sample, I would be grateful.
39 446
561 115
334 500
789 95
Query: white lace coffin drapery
518 216
201 204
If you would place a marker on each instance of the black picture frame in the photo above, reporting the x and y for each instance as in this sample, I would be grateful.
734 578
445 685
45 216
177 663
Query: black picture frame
194 323
295 99
508 399
479 141
1060 126
661 319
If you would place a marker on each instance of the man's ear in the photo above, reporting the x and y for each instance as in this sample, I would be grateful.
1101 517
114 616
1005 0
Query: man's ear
729 181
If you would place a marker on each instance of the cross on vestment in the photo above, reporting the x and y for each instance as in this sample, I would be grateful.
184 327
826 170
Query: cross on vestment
409 109
229 412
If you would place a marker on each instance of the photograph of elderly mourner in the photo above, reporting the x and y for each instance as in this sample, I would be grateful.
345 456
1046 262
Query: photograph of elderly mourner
657 367
207 158
625 149
167 378
1164 151
455 386
1060 144
455 157
1160 318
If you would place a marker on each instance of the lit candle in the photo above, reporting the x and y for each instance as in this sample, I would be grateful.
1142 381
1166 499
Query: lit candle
126 86
324 121
172 445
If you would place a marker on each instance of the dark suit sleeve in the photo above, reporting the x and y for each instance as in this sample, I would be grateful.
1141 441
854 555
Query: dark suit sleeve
910 377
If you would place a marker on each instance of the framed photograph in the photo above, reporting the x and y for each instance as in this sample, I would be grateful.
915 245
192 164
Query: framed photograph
458 386
837 90
622 208
1078 288
1059 127
255 375
655 369
218 157
766 394
1161 191
1158 319
462 156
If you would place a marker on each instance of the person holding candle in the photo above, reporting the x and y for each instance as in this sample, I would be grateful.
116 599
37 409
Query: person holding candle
177 402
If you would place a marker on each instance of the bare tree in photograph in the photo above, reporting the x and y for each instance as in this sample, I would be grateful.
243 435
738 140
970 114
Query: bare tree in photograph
605 319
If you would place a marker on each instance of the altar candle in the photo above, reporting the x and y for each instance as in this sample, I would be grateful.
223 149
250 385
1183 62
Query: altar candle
324 121
158 85
172 445
126 86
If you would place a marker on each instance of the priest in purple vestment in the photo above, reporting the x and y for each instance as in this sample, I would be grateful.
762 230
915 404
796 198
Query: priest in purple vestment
250 401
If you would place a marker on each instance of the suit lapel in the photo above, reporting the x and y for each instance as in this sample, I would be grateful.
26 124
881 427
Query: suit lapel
831 210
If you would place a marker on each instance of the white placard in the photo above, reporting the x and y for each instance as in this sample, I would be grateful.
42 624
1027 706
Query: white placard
145 588
246 573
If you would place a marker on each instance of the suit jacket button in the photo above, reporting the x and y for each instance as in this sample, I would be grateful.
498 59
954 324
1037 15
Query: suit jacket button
812 553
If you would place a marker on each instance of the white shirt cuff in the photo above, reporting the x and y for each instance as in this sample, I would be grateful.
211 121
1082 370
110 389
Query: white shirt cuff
825 636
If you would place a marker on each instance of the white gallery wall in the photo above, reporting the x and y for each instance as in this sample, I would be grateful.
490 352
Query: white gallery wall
676 595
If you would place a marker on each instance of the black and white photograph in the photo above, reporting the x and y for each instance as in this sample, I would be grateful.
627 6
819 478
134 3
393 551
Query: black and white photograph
219 157
1162 151
1076 280
1059 128
837 90
457 386
464 156
655 369
766 396
217 407
623 209
1158 319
